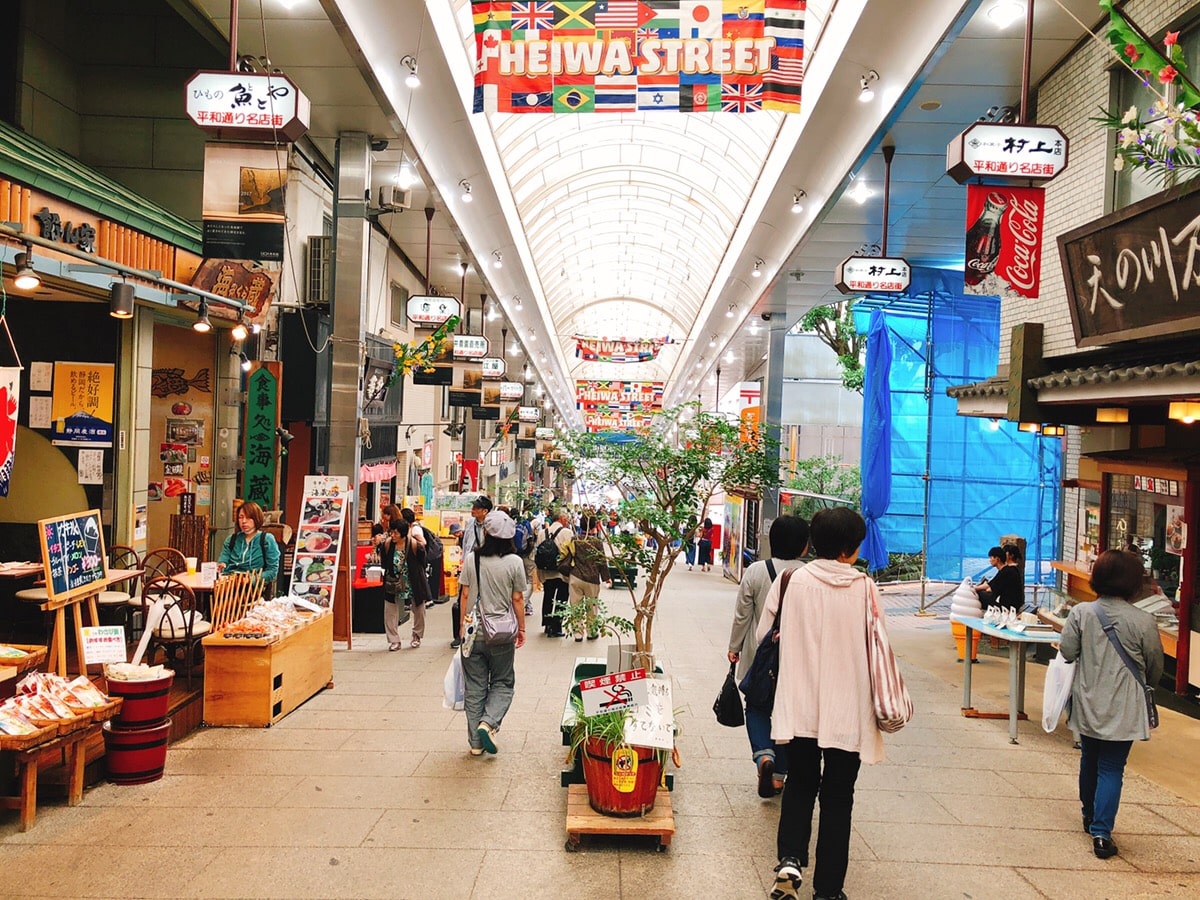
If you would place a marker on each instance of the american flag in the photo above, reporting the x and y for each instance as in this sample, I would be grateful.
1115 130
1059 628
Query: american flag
741 98
786 71
533 16
617 14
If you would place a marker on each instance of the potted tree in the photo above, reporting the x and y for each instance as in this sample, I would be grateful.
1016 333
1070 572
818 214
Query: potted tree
622 780
667 475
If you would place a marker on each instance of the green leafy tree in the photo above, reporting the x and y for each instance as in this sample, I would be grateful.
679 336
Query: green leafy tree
827 475
834 325
667 476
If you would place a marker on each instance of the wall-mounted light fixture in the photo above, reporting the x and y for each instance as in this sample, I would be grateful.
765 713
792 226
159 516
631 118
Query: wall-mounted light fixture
497 259
245 362
798 202
517 300
1006 12
202 323
120 300
466 190
865 93
412 80
729 312
284 437
1054 430
712 341
406 177
240 332
1112 415
757 273
1029 427
1185 411
26 279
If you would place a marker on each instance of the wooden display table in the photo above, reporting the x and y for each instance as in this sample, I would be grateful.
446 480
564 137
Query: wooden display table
582 819
255 682
1076 581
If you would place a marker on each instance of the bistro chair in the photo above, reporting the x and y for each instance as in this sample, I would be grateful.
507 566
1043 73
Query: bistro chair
181 628
233 596
158 563
119 593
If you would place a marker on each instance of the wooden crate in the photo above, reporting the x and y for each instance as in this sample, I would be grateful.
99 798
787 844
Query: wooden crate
255 682
582 819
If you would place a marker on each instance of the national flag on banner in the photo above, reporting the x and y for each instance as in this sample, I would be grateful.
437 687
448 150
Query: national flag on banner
665 23
526 94
574 98
700 18
621 14
532 16
657 96
741 98
574 15
490 14
784 21
616 93
743 20
699 93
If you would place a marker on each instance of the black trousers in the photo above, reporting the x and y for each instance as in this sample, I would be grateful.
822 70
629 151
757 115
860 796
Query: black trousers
455 623
557 590
834 784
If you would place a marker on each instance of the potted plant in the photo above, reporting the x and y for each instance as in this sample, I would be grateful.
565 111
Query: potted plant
667 475
622 780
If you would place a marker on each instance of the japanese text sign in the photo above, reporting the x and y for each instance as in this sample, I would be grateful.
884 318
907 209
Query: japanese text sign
470 346
511 390
73 554
872 275
319 537
429 312
1001 150
238 105
493 367
103 644
82 404
262 418
529 414
653 723
610 693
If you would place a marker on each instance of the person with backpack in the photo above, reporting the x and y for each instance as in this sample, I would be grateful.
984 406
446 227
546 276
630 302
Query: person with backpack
250 549
550 559
789 539
589 566
397 592
472 537
418 578
523 541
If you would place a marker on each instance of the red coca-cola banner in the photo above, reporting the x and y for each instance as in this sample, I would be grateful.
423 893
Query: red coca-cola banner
1004 240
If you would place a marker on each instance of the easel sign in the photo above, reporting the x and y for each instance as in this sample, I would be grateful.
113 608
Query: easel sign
103 644
319 538
73 555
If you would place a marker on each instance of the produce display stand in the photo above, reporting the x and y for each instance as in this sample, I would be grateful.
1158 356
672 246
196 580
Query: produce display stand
582 819
255 682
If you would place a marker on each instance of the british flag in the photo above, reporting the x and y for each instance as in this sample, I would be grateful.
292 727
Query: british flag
741 98
533 16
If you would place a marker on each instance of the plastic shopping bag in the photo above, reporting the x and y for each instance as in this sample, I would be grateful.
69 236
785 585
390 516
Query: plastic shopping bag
453 688
1060 675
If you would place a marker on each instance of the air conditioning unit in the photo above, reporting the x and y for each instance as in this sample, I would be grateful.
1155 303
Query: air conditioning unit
320 259
393 197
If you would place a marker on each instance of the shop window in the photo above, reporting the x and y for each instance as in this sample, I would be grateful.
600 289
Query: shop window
1145 514
399 310
1133 184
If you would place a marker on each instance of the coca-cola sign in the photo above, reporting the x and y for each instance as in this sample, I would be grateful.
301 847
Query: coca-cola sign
1004 241
1136 273
999 152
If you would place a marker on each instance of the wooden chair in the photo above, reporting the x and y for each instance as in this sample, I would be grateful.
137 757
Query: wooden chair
120 593
181 628
158 563
233 595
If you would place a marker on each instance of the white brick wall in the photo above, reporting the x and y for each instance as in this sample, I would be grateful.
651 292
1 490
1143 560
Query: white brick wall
1068 98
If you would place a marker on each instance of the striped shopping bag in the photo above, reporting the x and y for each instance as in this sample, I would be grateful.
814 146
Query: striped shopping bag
893 706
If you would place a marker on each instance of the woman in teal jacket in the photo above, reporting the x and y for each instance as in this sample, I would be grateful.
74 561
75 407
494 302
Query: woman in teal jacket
250 548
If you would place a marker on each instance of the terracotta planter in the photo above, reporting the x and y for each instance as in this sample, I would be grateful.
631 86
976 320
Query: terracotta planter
621 793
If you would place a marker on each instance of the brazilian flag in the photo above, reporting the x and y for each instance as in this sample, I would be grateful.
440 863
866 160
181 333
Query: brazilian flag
575 98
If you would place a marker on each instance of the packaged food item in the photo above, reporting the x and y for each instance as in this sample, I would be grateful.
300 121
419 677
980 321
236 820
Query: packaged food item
130 672
12 721
7 652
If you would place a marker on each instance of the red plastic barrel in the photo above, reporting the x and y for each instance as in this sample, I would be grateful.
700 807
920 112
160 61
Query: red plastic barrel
136 755
603 796
146 702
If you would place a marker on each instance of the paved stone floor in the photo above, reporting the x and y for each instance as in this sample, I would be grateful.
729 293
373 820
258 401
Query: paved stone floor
368 791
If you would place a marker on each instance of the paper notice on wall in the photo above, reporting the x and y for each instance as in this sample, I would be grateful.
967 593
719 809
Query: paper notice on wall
91 466
139 522
39 412
653 722
41 377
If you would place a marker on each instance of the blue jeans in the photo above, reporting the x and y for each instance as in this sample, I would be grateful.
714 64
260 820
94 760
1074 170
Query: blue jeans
689 552
1101 772
758 727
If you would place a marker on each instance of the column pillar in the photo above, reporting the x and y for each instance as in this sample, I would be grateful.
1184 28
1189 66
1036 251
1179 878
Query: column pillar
772 419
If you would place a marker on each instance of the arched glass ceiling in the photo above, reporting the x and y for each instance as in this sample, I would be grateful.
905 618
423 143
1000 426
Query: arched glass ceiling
628 216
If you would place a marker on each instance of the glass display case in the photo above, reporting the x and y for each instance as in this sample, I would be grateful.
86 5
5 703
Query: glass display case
1145 515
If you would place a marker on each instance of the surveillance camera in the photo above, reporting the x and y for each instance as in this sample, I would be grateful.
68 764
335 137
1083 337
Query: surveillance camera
379 144
766 317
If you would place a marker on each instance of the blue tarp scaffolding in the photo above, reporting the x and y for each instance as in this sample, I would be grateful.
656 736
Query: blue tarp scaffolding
985 478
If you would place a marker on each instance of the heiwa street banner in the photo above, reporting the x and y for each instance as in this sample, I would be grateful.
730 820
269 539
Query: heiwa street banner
584 56
618 396
619 350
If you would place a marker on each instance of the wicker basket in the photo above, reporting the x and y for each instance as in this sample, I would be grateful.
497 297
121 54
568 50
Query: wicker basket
25 741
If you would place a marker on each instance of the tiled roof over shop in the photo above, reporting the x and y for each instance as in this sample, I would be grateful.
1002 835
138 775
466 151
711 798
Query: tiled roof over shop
1113 374
40 166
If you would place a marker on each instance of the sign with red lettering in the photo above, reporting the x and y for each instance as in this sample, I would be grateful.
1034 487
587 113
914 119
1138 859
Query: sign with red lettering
872 275
247 107
609 693
1004 241
1003 150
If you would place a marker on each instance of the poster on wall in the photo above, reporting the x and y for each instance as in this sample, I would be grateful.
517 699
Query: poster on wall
319 537
1176 531
1004 241
10 389
81 405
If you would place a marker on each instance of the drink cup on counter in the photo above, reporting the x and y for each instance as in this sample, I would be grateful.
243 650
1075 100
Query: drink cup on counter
191 564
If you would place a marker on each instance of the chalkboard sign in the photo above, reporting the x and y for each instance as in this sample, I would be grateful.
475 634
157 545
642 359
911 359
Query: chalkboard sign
73 554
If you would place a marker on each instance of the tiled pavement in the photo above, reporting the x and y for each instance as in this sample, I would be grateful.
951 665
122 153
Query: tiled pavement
368 791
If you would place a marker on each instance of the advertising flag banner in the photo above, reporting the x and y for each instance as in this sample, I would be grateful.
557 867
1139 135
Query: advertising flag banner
1004 240
618 396
10 389
82 404
588 56
619 350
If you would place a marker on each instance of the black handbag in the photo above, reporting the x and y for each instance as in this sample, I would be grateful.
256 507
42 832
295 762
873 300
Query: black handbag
758 685
728 705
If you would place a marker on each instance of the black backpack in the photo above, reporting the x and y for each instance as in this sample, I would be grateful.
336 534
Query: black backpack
433 546
546 555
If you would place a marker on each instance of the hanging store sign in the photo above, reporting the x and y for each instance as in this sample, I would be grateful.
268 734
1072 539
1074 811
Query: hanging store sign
737 56
618 350
1131 274
511 390
872 275
238 279
529 414
1004 241
247 107
485 413
619 395
464 398
260 457
493 367
544 434
470 346
991 150
429 312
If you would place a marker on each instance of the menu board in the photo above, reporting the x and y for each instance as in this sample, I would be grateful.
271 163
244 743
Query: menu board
73 554
319 538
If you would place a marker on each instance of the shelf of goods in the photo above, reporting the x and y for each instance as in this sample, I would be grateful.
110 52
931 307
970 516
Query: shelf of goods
255 682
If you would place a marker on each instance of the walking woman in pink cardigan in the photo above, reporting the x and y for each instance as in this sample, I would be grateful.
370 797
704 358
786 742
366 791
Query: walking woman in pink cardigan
823 717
